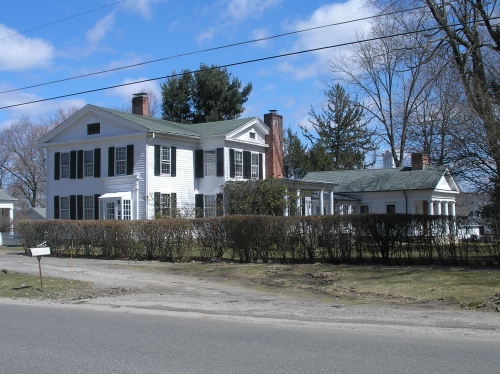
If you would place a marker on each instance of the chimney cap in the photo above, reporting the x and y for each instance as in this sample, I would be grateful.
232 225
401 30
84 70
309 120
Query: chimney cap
273 111
140 94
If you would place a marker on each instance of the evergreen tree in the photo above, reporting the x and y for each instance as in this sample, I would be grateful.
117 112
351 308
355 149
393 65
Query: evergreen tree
295 156
340 132
207 95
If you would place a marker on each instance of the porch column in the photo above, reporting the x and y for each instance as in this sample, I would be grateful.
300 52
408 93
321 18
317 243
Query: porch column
431 208
452 208
321 203
299 201
438 208
445 208
287 208
332 202
11 217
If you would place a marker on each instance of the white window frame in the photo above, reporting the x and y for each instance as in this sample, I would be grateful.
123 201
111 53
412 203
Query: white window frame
121 160
127 210
88 207
252 135
390 205
255 166
88 163
165 161
238 164
64 207
166 204
64 166
110 209
209 163
210 208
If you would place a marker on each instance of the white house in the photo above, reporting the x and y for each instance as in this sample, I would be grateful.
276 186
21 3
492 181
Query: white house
6 213
108 164
418 189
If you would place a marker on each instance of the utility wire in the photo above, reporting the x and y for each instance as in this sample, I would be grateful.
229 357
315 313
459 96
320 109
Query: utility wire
239 63
210 49
62 20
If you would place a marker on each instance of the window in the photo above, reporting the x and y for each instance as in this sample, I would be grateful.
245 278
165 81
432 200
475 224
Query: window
252 135
364 209
65 165
391 208
88 163
88 207
210 206
110 211
121 160
209 163
165 204
255 165
93 128
165 163
238 164
64 208
345 209
126 210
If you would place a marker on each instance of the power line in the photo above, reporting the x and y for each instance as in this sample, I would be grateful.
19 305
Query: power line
237 64
62 20
209 49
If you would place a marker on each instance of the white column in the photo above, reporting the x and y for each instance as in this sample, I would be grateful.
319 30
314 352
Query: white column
431 208
452 208
321 203
11 217
299 200
438 208
286 212
332 202
445 208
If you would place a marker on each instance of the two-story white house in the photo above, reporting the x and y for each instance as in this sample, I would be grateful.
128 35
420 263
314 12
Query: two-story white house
108 164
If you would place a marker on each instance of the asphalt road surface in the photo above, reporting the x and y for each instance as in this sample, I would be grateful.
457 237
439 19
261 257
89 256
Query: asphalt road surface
60 339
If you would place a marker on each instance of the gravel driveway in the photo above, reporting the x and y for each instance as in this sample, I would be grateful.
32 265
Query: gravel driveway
149 287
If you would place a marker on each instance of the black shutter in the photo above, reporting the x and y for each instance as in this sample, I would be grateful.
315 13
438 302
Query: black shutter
56 207
111 161
198 163
97 163
173 204
96 206
261 167
198 204
72 165
72 207
220 204
79 207
130 159
232 167
173 161
220 162
157 203
247 164
79 163
57 165
157 159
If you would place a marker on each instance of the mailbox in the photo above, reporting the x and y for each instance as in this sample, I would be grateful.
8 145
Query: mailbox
38 251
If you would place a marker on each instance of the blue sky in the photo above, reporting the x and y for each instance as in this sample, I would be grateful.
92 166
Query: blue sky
36 49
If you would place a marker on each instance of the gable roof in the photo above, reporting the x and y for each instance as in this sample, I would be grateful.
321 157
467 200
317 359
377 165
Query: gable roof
378 180
197 130
4 196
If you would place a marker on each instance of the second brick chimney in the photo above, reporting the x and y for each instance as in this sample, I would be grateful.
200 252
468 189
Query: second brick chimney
274 153
419 161
140 104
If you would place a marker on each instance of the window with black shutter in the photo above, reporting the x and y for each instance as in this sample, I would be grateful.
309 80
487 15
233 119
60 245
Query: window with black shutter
220 162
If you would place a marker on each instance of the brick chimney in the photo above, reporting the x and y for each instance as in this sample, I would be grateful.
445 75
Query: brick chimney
274 153
419 161
140 104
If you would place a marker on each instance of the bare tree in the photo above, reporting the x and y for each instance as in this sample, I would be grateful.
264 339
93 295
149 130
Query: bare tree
24 161
154 103
387 74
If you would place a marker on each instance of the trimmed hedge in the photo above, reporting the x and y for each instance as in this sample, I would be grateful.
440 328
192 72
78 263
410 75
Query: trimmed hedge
389 239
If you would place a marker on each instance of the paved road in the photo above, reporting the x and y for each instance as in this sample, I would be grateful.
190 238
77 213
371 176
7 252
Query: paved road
65 339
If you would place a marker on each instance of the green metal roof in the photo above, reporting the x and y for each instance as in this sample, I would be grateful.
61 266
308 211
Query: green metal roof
376 180
169 127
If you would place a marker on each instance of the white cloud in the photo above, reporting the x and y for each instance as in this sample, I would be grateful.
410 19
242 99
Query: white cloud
239 10
260 34
125 93
206 36
142 7
324 37
101 29
22 53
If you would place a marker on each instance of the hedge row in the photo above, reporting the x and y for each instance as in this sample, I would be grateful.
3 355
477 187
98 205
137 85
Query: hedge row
401 239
